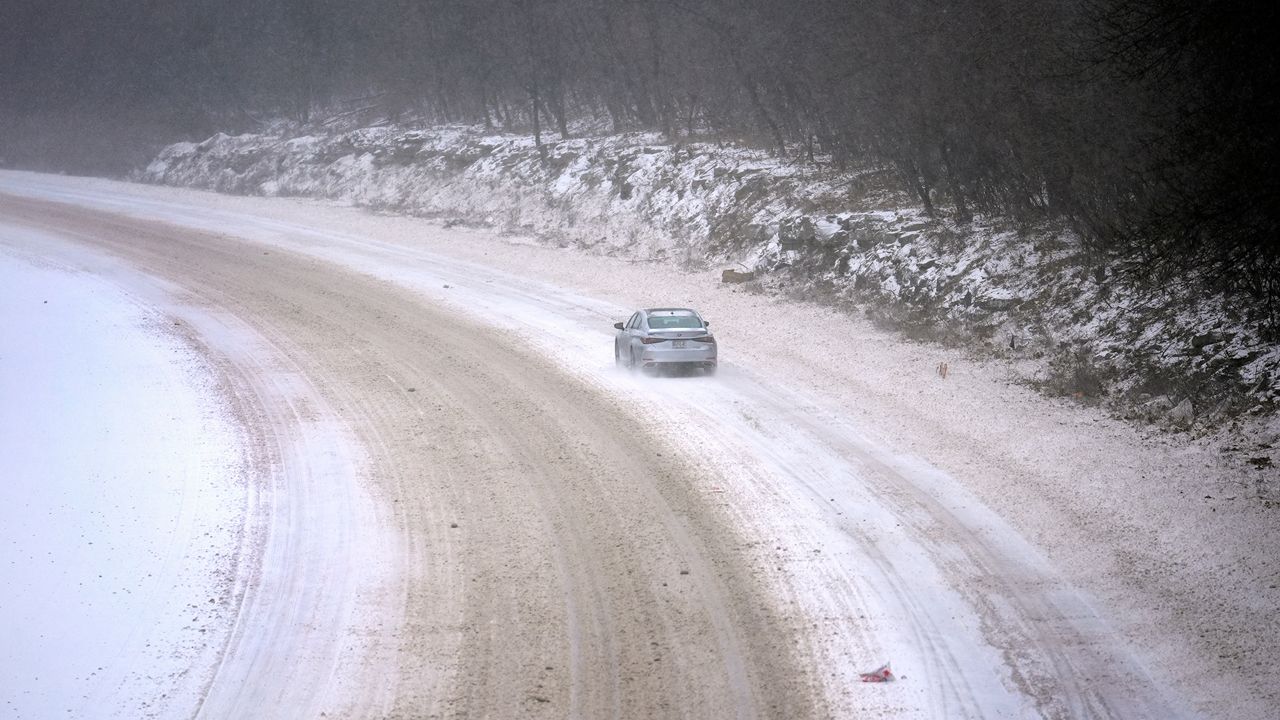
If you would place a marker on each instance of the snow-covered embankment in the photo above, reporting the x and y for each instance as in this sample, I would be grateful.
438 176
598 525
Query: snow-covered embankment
1077 323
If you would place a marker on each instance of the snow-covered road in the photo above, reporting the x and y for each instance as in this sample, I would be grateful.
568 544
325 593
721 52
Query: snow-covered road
463 506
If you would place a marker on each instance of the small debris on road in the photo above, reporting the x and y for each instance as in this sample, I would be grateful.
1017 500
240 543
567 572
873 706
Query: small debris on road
879 675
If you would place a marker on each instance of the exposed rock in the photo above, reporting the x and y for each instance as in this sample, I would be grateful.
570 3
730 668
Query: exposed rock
1183 414
795 233
1200 341
998 304
733 276
1156 409
1218 411
866 238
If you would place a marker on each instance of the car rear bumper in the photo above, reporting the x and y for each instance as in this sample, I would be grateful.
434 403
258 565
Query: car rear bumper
704 356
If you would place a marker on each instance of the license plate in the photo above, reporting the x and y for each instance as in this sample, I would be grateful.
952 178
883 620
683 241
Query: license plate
678 343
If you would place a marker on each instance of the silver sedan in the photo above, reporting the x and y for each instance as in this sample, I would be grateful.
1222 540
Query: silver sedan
659 338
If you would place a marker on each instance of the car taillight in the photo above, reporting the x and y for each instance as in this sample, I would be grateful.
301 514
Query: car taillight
707 339
652 340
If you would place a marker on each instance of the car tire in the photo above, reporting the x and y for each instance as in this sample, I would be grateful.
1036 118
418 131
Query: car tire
710 370
617 357
635 362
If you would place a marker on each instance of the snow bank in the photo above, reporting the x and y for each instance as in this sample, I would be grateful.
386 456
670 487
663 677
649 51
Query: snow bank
1033 293
120 509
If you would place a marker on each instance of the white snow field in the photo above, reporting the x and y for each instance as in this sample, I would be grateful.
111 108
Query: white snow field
1010 556
154 547
121 505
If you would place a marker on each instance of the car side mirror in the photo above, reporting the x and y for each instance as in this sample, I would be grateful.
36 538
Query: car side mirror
618 325
706 323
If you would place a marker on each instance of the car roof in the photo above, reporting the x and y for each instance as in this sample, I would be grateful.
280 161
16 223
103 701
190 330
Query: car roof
670 311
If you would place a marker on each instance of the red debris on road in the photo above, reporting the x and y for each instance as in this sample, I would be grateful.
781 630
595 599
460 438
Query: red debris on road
880 674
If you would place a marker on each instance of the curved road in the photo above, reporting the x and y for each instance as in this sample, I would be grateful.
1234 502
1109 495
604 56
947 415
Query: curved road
550 561
452 525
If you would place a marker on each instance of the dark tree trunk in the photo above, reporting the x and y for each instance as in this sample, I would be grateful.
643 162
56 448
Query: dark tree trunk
537 125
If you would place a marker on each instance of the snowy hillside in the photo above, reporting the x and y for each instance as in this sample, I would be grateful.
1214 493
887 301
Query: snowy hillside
1074 324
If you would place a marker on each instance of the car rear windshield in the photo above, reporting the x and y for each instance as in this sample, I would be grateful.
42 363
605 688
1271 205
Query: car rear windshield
684 321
